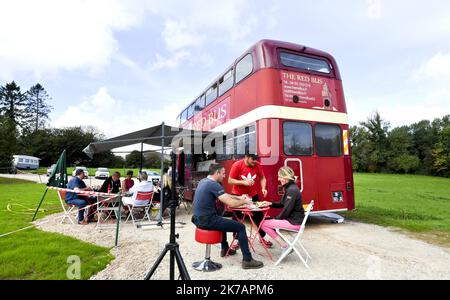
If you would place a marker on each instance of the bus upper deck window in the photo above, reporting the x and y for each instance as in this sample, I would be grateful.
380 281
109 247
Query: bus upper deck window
211 94
200 103
184 116
244 67
305 63
226 82
190 112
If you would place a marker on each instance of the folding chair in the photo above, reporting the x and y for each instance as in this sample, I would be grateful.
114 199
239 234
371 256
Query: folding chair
141 196
297 239
107 205
67 212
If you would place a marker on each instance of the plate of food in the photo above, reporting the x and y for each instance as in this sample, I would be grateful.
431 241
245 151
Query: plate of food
262 204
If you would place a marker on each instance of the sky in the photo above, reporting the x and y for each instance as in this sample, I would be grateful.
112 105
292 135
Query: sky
125 65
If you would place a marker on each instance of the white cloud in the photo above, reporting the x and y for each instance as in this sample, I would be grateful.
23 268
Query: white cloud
373 9
47 36
434 105
171 62
177 36
436 68
115 117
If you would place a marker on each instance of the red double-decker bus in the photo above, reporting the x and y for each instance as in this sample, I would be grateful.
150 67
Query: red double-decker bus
286 103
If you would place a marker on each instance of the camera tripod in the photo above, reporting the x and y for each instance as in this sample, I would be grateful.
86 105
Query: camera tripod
172 246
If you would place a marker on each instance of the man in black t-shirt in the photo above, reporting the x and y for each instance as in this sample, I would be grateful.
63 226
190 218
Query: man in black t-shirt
111 184
206 217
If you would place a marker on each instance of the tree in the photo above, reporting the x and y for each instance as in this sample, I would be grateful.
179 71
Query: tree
133 159
441 154
425 138
107 159
13 103
8 138
37 109
153 160
360 148
377 130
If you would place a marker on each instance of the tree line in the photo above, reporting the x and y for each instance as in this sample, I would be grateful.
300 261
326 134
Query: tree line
25 130
421 148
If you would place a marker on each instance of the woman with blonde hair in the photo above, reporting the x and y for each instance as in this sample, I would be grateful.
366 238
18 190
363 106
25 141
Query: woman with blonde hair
291 217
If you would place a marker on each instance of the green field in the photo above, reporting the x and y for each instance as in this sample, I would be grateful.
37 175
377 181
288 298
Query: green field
34 254
419 204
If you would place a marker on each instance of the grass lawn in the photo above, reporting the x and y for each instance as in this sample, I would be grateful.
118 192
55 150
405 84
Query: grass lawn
419 204
34 254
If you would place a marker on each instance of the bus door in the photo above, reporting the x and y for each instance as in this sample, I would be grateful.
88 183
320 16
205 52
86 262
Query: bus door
330 168
298 155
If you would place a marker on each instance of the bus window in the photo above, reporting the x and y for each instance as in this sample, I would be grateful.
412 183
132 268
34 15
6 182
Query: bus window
211 94
183 116
245 141
328 140
250 139
244 67
239 143
226 82
297 139
200 104
190 111
305 63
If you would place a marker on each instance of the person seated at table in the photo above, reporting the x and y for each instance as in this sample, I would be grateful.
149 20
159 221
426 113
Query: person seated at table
77 184
143 186
244 175
291 217
205 215
167 190
111 184
128 182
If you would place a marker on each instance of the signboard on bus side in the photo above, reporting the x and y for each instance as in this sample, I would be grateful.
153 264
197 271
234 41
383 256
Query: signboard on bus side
211 118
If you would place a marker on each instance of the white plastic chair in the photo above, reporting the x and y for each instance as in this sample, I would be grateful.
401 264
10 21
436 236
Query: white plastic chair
142 196
296 240
67 212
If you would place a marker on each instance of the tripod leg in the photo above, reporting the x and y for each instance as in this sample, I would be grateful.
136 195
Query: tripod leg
156 264
181 266
172 265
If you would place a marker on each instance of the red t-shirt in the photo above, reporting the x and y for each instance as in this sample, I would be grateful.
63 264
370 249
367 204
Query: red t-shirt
240 171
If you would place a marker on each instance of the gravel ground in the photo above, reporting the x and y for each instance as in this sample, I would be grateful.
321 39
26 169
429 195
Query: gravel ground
345 251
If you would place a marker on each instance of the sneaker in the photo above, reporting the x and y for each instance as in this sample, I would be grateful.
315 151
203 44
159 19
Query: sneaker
223 252
253 264
235 245
267 243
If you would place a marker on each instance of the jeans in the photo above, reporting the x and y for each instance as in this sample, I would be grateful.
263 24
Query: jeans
81 204
215 222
